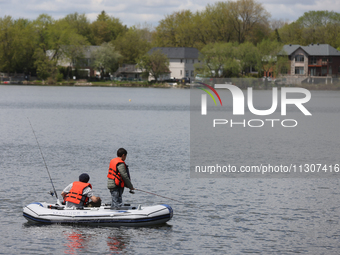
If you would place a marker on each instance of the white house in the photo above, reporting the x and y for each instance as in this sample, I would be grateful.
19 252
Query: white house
181 60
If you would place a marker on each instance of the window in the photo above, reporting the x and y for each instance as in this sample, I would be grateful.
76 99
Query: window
192 73
330 60
193 61
284 70
181 60
313 71
330 70
186 73
299 70
324 70
312 61
181 73
299 58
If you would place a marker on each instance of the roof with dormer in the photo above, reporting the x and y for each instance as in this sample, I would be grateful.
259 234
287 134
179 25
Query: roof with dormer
312 49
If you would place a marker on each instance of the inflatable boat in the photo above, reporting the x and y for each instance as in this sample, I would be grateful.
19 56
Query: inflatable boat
46 213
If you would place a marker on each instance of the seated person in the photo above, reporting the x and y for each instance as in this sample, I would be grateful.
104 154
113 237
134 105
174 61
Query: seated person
77 194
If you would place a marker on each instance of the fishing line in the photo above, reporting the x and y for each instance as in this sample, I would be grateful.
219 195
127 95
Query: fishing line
159 195
44 161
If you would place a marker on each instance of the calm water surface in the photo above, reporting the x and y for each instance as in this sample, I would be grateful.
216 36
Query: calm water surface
80 129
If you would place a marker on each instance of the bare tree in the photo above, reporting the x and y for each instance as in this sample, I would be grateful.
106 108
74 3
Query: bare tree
246 14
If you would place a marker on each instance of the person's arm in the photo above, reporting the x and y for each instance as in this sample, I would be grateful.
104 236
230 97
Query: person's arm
89 193
63 194
122 170
66 190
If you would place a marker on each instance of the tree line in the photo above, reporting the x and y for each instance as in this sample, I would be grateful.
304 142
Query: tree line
235 30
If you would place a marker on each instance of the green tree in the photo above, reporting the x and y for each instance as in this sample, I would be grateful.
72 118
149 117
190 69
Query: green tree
25 44
63 41
313 27
41 26
219 22
218 60
58 40
7 44
175 30
17 45
202 30
105 59
106 28
132 45
243 20
45 66
156 63
271 57
291 33
81 25
248 56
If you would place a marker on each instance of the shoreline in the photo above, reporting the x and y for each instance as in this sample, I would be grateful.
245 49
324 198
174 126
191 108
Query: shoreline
333 87
97 84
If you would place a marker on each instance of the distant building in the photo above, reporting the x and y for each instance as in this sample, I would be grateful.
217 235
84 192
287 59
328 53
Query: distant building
128 72
82 63
181 61
313 60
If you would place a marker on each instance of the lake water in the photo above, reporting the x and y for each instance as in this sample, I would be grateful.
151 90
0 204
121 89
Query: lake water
80 129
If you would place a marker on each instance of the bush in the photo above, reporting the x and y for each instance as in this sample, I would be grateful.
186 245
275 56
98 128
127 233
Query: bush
59 77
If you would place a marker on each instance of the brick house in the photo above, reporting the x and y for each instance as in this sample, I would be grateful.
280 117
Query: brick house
313 60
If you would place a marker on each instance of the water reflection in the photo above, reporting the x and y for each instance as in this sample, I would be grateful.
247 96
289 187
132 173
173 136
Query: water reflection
95 239
116 244
75 241
87 238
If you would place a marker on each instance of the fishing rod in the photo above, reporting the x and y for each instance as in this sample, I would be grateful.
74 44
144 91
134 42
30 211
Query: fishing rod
159 195
55 192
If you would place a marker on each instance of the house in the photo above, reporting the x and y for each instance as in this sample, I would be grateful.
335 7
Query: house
313 60
129 72
181 61
82 63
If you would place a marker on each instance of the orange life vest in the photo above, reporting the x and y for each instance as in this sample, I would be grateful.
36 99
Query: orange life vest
114 173
76 193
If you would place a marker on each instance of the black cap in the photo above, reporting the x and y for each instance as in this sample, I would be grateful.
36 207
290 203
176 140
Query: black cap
84 178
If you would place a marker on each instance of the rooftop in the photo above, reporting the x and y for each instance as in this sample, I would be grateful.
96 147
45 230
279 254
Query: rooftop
312 49
177 52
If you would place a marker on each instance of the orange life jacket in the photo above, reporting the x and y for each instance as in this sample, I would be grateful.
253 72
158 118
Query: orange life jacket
114 173
76 193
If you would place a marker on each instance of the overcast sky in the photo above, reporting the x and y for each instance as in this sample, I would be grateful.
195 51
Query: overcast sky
132 12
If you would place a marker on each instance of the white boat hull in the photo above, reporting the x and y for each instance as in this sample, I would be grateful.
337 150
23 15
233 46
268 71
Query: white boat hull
102 216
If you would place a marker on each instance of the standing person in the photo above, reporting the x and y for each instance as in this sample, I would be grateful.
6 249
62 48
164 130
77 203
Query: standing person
77 194
118 178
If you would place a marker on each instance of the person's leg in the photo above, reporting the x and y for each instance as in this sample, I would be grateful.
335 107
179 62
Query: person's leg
116 196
